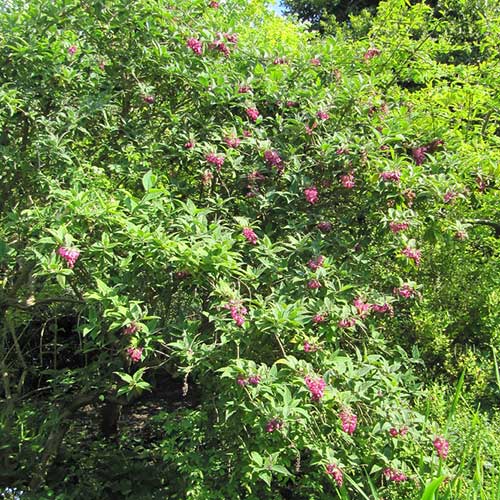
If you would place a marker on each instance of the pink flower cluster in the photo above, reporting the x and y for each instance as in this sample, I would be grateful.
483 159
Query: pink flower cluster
311 194
252 113
280 60
336 473
244 89
70 255
274 424
316 262
195 45
420 152
238 312
131 328
322 115
250 235
214 4
316 387
315 61
395 475
135 354
383 308
371 53
442 446
349 421
308 347
313 284
220 46
189 145
396 227
362 307
413 254
450 196
251 380
398 432
347 322
347 180
232 142
273 159
217 160
72 50
392 175
149 99
324 226
405 291
319 318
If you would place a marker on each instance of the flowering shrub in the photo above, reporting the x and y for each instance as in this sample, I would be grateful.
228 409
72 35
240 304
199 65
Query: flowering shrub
278 294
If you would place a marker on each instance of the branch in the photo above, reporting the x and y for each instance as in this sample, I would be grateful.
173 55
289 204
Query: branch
49 300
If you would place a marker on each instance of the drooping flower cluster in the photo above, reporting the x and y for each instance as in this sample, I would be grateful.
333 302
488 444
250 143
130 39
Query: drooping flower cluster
244 89
371 53
131 328
238 312
391 175
324 226
308 347
420 152
315 61
70 255
250 235
313 284
273 159
311 194
383 308
322 115
252 113
316 262
397 227
135 354
449 196
349 421
232 142
275 424
280 60
395 475
72 50
189 145
316 386
251 380
195 45
347 180
413 254
336 473
406 291
398 432
442 447
362 307
217 160
347 322
149 99
319 318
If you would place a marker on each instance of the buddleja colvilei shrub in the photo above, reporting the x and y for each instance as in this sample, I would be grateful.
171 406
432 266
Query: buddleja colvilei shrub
202 189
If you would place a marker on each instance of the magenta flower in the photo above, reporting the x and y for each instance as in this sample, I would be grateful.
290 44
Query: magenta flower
252 113
324 226
254 379
405 291
70 255
316 387
362 307
72 50
250 235
392 176
347 323
189 145
442 446
371 53
322 115
274 424
308 347
244 89
311 194
397 227
291 104
232 142
393 432
195 45
336 474
313 284
220 46
394 475
217 160
450 196
413 254
149 99
349 421
461 235
420 152
315 61
280 60
214 4
241 381
319 318
315 263
383 308
273 159
135 354
347 180
131 328
238 312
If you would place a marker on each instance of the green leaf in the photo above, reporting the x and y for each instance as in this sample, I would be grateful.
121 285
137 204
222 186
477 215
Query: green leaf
431 488
149 180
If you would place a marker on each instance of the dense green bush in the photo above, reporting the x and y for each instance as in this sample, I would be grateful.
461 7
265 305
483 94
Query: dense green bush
274 220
